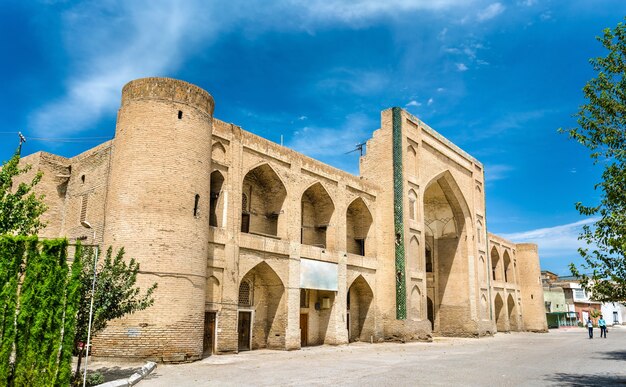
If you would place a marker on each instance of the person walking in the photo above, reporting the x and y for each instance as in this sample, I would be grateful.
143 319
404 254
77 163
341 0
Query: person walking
590 326
602 325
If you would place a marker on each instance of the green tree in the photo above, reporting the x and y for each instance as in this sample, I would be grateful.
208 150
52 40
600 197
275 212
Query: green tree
115 296
602 129
20 208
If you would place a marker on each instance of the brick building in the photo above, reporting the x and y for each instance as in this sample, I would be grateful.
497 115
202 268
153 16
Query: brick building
254 245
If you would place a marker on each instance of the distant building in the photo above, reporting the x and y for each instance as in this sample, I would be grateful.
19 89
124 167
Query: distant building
578 305
254 245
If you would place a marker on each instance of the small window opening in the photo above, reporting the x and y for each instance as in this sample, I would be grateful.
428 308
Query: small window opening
195 206
180 114
429 261
82 178
245 214
361 244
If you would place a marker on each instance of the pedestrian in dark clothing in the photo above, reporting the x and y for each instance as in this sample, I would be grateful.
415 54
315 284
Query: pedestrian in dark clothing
602 325
590 326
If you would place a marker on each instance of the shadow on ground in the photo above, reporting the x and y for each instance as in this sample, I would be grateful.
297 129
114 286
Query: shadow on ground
564 379
114 373
613 355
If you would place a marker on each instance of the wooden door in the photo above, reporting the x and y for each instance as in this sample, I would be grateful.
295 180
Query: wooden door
243 330
245 222
304 330
209 333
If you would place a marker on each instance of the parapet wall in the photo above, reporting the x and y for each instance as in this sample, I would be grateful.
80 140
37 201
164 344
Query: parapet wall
168 89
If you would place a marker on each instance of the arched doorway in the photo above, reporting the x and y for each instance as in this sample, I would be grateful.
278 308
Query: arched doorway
360 317
513 320
500 313
431 312
317 210
445 218
262 313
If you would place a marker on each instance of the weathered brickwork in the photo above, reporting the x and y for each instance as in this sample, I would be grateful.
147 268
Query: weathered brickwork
224 221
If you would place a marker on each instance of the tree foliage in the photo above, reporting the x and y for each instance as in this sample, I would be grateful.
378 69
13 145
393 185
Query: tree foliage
602 129
20 207
115 295
38 304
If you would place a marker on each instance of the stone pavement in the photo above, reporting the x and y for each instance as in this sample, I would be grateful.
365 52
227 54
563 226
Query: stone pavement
560 357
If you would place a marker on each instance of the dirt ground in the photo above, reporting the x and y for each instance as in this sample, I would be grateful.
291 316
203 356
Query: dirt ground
560 357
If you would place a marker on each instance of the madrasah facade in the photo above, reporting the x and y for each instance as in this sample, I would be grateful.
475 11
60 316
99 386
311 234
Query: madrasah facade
254 245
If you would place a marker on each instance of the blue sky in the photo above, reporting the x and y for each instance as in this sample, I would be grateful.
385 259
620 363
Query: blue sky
496 78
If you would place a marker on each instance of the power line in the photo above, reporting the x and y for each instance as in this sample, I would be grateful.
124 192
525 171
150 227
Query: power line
69 140
63 139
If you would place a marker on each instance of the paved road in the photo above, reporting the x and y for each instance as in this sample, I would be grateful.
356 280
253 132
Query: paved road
561 357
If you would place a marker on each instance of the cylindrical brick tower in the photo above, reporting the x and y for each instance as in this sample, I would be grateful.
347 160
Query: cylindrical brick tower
157 208
529 271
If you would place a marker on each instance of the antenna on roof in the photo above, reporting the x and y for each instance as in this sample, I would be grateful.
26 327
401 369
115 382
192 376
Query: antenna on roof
357 147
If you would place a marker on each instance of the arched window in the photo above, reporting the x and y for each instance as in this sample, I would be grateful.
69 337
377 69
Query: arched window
482 268
411 160
412 205
245 294
414 254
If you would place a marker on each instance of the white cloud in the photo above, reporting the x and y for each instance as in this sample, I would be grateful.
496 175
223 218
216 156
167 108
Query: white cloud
111 42
557 241
527 3
302 118
497 172
413 103
461 67
442 34
321 141
354 81
490 12
109 51
358 10
546 16
430 101
440 89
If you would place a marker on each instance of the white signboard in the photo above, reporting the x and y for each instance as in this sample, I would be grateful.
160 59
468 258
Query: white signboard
318 275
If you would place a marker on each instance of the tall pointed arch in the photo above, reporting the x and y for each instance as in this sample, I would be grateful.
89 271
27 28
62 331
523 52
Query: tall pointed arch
317 209
265 194
359 233
446 219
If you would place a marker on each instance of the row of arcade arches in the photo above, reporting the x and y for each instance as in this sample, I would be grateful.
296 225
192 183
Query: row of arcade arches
502 269
262 311
263 212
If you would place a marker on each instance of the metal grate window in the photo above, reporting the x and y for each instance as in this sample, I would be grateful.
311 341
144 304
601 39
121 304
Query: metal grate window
244 203
245 294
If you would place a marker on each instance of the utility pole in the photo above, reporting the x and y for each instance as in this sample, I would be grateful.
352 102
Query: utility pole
22 140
